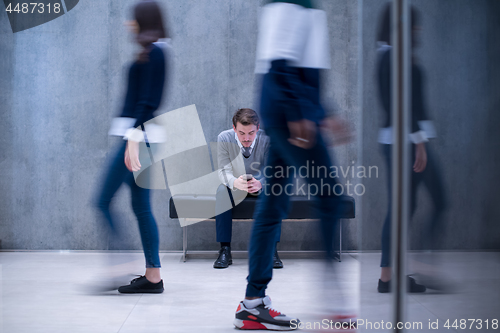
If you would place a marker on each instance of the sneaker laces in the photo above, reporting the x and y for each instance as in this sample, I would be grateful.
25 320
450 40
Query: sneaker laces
272 311
137 278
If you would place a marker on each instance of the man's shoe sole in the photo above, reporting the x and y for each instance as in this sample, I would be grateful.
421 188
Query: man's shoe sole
254 325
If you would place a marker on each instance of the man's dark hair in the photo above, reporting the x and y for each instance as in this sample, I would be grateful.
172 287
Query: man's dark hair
246 117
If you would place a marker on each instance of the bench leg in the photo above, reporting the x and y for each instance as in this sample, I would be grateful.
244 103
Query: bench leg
340 240
184 243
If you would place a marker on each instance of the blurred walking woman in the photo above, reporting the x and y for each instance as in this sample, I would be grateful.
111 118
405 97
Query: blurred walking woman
146 79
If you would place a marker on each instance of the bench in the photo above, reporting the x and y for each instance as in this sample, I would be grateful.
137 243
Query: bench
301 209
189 165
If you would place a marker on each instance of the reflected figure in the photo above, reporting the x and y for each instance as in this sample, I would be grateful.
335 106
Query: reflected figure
146 79
425 167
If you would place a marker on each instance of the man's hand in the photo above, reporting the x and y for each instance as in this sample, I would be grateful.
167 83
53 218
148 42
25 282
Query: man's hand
241 184
420 158
302 133
132 156
254 186
339 130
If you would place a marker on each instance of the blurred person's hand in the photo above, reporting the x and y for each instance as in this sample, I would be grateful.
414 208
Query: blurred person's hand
420 158
132 26
254 185
339 129
302 133
132 156
241 184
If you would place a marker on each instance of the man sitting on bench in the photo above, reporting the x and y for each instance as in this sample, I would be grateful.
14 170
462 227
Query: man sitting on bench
238 179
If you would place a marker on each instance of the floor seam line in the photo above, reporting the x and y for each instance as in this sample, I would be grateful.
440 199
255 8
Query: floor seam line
430 311
129 314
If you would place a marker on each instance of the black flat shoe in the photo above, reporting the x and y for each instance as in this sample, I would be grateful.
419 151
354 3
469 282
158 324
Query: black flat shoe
411 285
224 259
414 287
141 285
277 263
384 287
437 283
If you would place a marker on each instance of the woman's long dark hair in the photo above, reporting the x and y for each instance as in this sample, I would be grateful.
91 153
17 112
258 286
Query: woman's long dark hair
151 26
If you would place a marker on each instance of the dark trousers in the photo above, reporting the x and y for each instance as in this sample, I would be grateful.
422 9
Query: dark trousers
224 220
117 174
431 179
273 205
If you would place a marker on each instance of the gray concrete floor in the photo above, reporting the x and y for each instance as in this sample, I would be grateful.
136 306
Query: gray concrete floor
52 292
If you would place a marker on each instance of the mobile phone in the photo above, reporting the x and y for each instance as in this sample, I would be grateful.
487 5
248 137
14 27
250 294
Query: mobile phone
247 177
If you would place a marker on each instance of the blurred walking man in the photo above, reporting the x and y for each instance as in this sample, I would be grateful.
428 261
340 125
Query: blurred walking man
292 48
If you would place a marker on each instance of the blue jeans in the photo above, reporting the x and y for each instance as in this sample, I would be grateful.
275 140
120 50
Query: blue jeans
273 205
116 175
431 178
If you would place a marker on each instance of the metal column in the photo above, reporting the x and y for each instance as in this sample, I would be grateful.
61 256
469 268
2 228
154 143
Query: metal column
401 91
184 243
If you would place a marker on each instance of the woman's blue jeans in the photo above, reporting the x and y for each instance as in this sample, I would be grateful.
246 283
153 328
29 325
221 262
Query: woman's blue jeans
117 174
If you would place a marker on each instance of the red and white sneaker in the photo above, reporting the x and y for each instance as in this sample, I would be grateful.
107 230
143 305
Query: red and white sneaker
263 317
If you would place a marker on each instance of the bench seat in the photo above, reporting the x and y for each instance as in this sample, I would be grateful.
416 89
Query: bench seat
301 208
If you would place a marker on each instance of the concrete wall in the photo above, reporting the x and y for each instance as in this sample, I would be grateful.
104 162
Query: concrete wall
459 54
62 82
